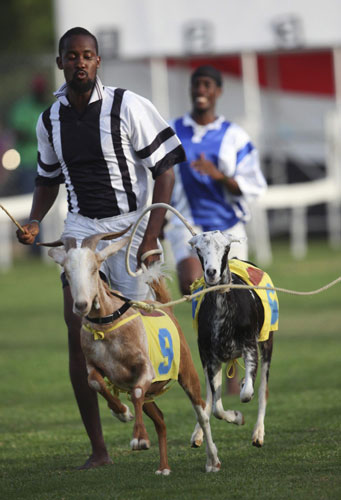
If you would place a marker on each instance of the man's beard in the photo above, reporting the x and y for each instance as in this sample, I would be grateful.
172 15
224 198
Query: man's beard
80 86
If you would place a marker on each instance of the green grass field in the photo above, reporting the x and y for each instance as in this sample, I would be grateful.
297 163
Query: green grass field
42 440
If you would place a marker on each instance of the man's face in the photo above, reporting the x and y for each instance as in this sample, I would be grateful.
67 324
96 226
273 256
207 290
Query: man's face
79 61
204 93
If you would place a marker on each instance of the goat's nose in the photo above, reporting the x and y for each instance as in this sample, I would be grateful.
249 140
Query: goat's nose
211 272
81 306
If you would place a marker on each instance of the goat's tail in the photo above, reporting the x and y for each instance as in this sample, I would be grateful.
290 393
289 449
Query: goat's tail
154 276
161 291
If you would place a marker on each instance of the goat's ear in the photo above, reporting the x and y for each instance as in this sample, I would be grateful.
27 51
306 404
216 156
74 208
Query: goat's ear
58 255
112 249
193 241
234 239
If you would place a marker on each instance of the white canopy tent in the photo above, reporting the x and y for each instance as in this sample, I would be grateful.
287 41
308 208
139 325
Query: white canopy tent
139 30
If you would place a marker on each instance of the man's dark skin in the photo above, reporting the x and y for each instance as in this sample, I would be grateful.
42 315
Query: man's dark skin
79 61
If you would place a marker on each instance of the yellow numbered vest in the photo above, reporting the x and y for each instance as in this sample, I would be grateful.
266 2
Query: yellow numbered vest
163 342
252 275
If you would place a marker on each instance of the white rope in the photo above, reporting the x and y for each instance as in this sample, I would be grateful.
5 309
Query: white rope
226 288
187 298
136 225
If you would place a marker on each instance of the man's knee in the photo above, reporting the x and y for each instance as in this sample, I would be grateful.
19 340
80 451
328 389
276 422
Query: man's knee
188 271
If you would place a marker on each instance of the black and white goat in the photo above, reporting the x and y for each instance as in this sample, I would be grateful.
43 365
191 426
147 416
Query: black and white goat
229 324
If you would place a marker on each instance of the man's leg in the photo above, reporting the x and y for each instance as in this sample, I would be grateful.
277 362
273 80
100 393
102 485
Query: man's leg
188 270
86 398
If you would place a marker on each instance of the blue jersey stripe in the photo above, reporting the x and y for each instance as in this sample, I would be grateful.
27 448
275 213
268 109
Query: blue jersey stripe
245 151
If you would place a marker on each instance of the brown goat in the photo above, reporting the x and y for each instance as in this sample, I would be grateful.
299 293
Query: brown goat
116 346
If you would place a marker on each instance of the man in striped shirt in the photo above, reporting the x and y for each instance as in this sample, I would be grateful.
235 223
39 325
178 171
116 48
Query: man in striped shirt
104 143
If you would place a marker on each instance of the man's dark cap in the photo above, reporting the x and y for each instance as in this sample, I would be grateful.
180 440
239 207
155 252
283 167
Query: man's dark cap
209 71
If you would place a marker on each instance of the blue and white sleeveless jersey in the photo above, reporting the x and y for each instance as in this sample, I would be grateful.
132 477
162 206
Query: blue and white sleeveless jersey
200 199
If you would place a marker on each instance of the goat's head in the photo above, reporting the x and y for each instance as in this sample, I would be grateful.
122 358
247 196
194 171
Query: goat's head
213 248
81 266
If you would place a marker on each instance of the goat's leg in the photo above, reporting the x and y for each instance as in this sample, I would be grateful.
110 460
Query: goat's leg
189 381
140 439
118 409
198 435
154 412
215 382
230 416
250 356
266 353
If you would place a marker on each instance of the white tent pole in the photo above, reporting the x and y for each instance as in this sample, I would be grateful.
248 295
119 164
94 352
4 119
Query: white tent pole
337 76
252 99
159 85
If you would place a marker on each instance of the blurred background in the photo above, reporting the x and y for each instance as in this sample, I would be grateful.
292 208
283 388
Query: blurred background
281 64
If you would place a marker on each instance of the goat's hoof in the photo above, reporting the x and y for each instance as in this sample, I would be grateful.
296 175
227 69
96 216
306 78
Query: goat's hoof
240 420
213 468
258 437
257 443
139 444
125 417
163 472
196 443
245 397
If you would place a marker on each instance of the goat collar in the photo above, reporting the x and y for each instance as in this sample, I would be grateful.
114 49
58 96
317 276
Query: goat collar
116 314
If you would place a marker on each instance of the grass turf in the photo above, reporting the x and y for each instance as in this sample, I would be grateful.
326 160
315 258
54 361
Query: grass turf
42 440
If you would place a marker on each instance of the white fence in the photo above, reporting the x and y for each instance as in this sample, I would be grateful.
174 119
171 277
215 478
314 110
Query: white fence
19 207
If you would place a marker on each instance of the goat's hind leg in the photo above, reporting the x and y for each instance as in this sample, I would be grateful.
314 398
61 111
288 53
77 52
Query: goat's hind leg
118 409
154 412
250 356
266 354
189 381
140 439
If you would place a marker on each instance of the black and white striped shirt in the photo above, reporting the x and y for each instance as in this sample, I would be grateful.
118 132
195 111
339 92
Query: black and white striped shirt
103 154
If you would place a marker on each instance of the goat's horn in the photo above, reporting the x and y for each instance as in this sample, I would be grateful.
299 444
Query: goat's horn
190 228
92 241
67 242
57 243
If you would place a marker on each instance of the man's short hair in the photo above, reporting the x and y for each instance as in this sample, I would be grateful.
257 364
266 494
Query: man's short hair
209 71
73 32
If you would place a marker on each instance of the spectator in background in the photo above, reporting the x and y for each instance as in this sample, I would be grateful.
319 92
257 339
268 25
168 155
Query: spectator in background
213 187
23 118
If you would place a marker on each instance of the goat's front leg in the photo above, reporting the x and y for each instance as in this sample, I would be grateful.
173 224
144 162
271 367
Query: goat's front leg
250 356
118 409
230 416
266 353
154 412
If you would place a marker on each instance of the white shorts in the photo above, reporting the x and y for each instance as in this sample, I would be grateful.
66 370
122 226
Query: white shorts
179 236
79 227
